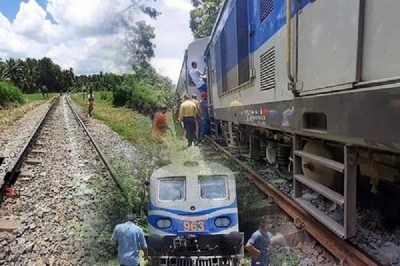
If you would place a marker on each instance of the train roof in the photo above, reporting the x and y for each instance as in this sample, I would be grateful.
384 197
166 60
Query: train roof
188 167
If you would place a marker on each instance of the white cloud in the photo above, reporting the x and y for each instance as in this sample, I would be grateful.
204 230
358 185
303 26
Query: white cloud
84 35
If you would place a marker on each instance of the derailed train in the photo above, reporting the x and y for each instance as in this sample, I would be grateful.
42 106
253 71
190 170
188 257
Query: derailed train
312 86
193 216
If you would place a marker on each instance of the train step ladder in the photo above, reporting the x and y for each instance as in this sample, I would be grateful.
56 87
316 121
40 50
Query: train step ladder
212 120
347 201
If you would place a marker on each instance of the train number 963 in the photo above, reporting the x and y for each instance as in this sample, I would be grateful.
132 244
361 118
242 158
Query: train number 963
193 226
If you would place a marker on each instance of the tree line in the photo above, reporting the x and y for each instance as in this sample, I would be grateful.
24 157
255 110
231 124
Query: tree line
141 90
204 16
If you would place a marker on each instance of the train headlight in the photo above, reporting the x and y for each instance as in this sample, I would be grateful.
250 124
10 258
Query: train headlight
222 222
164 223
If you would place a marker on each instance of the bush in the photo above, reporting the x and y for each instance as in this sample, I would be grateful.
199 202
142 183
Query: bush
121 95
9 94
143 98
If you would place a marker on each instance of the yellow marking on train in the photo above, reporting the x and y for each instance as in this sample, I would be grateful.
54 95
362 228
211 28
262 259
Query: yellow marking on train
192 218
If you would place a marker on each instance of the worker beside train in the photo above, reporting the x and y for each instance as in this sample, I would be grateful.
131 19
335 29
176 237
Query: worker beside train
130 240
197 117
187 114
259 243
197 78
204 117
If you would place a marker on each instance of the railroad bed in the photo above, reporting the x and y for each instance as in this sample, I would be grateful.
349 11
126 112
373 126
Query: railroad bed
61 202
367 248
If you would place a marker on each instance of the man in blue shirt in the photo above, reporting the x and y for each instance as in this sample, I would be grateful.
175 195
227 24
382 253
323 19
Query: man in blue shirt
258 244
130 239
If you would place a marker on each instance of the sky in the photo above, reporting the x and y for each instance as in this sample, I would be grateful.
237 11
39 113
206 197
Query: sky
76 33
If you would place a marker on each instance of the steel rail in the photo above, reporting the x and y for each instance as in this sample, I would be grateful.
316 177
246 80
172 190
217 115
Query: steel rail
11 176
111 170
346 252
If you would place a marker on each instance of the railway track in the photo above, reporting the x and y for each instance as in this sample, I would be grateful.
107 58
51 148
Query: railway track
347 253
63 201
15 158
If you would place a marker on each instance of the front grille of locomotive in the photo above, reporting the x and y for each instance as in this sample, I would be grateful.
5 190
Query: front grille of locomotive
198 261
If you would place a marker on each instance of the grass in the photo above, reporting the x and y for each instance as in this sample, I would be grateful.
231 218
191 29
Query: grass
37 97
15 112
132 126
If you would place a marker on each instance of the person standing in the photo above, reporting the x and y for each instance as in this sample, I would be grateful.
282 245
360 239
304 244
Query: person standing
130 239
197 117
204 116
197 78
90 102
160 124
187 114
178 126
258 244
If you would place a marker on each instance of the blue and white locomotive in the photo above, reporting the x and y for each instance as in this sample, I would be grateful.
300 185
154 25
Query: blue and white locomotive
193 216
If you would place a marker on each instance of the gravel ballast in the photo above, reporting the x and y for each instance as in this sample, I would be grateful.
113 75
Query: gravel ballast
70 205
14 137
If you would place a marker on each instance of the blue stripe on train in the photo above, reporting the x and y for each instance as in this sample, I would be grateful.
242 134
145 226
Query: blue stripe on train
180 211
208 226
263 31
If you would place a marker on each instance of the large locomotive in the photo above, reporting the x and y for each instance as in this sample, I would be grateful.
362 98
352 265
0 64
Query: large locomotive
312 86
193 217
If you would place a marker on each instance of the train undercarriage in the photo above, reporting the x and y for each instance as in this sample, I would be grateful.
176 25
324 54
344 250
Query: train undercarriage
343 174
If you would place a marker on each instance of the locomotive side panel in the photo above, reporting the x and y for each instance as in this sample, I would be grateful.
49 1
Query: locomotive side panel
381 53
182 82
328 43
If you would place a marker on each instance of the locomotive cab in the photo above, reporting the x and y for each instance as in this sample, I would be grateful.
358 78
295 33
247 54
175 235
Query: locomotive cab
193 215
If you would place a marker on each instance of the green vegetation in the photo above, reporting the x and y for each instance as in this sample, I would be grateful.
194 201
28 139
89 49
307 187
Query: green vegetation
129 124
9 95
203 17
37 97
32 75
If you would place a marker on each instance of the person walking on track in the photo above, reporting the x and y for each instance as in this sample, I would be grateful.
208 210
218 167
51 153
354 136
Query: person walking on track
187 114
90 102
130 239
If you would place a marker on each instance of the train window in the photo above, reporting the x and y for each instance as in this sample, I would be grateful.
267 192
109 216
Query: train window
213 187
171 189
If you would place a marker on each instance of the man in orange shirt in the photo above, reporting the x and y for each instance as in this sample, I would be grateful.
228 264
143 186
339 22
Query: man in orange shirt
160 124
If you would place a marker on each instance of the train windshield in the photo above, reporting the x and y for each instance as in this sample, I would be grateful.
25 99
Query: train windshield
213 187
171 189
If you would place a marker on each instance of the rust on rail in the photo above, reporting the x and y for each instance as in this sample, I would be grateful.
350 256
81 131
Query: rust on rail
342 250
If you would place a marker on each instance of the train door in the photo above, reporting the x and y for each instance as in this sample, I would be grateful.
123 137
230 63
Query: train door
195 53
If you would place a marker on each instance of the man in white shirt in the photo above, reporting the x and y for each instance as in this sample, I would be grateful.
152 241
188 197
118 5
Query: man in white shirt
197 78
